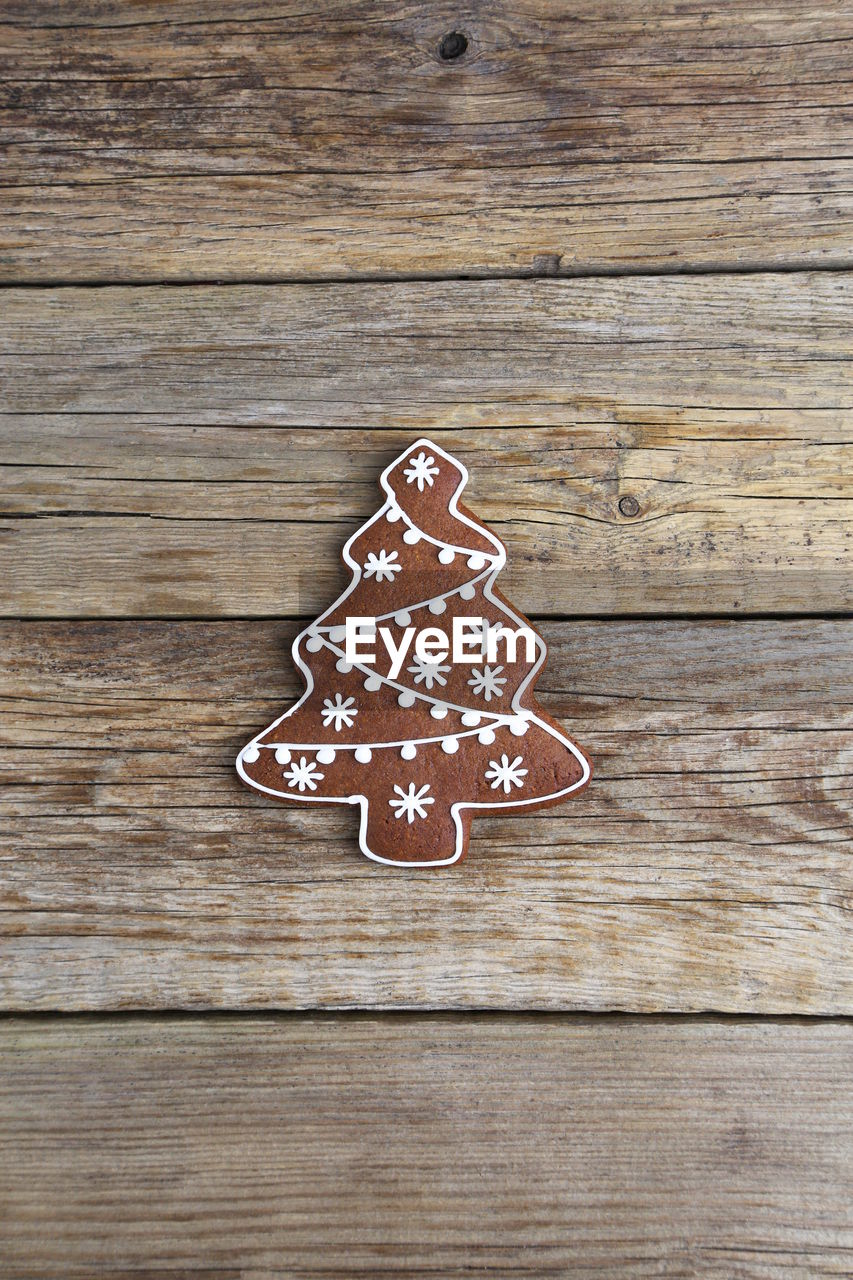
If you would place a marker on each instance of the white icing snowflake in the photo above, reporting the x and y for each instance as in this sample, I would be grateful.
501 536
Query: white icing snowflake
382 565
429 672
422 470
411 802
488 683
340 711
303 775
506 774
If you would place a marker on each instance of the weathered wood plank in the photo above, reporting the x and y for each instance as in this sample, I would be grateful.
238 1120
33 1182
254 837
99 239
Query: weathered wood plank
426 1147
175 444
278 142
708 865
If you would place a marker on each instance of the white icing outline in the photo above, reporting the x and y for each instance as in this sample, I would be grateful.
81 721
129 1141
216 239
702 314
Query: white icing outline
498 562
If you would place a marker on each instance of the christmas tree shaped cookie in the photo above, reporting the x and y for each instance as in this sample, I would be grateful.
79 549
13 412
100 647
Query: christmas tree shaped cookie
430 716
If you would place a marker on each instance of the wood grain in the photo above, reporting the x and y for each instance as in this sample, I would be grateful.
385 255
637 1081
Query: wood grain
267 141
206 451
707 866
426 1147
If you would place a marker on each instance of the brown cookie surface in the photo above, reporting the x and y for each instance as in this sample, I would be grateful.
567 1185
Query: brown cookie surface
417 731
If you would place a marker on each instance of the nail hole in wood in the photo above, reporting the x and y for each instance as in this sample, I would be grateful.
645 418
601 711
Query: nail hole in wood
629 506
452 46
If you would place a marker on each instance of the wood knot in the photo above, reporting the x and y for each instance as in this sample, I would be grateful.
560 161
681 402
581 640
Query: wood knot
629 506
452 46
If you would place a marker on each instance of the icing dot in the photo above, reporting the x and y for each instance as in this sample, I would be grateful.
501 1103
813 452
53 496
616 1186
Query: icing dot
450 745
476 561
326 755
446 556
393 514
467 592
406 699
372 683
282 755
412 537
408 751
471 718
314 644
518 726
363 755
438 711
437 606
337 634
402 618
249 754
486 736
343 666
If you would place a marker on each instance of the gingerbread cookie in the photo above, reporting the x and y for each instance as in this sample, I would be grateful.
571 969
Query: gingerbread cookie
418 703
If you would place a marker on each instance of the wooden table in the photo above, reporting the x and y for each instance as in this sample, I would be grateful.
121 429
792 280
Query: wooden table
604 256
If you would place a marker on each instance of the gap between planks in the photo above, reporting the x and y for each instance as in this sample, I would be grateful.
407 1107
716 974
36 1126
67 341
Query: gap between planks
756 267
